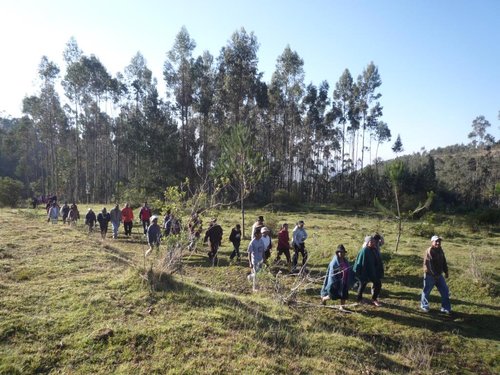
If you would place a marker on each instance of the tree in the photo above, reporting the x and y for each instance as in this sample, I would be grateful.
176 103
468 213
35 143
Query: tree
397 147
240 163
478 135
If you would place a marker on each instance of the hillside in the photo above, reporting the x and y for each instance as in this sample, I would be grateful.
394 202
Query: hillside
71 303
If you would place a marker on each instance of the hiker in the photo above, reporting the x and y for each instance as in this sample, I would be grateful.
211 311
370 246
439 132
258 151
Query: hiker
128 219
214 234
144 216
167 223
116 218
90 220
72 216
256 251
194 227
103 218
336 284
154 235
76 213
368 268
53 213
299 236
257 225
268 245
65 212
283 244
235 238
434 267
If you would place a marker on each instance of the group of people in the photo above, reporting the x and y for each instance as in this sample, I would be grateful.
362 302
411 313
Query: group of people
340 276
368 268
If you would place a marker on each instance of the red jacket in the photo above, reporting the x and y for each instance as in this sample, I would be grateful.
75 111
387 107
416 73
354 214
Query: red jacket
283 240
127 215
145 213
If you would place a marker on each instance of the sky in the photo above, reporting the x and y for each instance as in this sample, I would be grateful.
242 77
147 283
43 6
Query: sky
439 60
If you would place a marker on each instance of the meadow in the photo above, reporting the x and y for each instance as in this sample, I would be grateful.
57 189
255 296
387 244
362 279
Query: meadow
72 303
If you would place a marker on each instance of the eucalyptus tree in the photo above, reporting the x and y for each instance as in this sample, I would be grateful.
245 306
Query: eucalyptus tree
397 147
287 91
344 102
370 109
238 78
205 73
381 134
479 135
179 75
75 85
46 112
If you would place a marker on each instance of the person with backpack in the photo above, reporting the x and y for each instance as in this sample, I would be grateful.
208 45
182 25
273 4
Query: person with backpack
214 234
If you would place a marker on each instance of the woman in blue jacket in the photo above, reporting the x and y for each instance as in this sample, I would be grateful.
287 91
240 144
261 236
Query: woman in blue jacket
336 284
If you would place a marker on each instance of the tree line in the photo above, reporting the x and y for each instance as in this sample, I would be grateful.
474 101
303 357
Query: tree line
115 136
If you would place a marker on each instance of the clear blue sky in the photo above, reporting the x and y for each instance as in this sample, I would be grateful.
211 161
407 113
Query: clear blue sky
439 60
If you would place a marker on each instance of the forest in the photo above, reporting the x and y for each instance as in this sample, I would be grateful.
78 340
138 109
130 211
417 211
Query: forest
220 124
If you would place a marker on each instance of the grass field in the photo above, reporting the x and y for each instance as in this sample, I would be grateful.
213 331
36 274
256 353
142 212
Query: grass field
71 303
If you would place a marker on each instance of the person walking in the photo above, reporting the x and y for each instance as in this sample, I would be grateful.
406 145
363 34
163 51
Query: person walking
257 225
368 267
128 219
336 284
65 212
53 213
103 219
434 267
116 218
90 220
256 251
154 235
283 244
214 234
144 217
299 236
268 244
235 238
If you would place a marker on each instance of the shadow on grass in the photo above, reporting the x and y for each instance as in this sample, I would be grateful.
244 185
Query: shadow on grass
484 326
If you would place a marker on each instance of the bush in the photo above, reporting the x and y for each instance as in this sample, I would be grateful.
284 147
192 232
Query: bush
10 191
281 196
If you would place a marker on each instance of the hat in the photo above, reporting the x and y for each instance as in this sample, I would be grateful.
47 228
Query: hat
264 229
368 239
154 217
340 249
435 238
261 218
300 222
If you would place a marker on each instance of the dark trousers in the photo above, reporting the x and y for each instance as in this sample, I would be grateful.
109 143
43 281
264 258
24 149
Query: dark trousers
236 251
283 251
145 225
128 228
300 248
377 286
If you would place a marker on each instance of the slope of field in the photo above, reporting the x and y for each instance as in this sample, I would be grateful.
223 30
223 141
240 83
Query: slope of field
71 303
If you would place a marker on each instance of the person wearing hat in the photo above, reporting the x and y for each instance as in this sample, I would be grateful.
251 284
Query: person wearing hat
153 234
257 225
368 267
336 284
434 267
214 234
266 238
299 236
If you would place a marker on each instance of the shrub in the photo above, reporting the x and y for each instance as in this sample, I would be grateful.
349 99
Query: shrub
10 191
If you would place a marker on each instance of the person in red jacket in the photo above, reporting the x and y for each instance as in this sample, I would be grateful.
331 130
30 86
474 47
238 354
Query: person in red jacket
144 216
283 244
128 219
